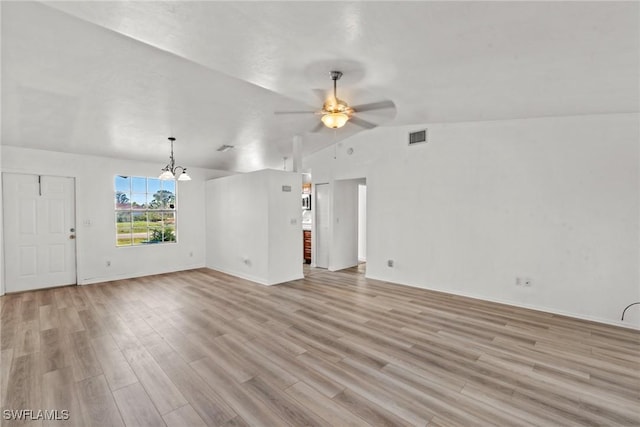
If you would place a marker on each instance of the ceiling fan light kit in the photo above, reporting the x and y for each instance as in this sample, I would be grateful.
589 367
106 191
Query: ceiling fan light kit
335 112
335 120
171 170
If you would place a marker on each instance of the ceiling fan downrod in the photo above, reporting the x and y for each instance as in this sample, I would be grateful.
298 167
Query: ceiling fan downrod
335 76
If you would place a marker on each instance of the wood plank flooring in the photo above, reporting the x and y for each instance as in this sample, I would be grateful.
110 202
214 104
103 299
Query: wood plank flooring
201 348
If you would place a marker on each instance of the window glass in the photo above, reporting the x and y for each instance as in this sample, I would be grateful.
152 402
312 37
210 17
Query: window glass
153 184
123 183
138 201
138 185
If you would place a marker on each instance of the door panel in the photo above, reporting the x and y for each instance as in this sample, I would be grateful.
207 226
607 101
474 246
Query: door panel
28 256
57 256
27 216
39 216
56 216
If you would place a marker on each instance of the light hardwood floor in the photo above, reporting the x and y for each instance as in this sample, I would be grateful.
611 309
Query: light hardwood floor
202 348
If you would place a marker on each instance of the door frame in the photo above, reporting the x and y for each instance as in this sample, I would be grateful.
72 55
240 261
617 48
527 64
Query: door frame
2 223
362 217
332 218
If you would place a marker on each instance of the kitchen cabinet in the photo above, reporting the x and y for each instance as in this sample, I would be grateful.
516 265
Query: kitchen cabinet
306 244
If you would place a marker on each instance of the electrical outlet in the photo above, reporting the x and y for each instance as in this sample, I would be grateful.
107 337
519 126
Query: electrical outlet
518 281
108 263
390 263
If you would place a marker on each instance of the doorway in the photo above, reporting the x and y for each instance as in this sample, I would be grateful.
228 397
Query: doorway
39 231
338 219
362 226
322 226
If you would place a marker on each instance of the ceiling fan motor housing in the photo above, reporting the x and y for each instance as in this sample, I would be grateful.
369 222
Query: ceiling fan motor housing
335 105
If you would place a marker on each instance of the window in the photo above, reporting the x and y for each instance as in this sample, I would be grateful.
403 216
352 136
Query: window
145 211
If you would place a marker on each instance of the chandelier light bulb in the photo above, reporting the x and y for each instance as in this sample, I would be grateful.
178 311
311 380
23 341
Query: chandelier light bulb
166 175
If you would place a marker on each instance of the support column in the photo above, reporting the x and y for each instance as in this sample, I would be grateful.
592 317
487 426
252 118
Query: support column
297 153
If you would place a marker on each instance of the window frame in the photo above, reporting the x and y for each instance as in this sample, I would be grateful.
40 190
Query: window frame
138 204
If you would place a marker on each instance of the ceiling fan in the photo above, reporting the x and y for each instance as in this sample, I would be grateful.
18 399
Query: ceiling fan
336 113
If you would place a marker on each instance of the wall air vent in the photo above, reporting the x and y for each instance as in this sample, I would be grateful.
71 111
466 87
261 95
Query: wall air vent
224 148
417 137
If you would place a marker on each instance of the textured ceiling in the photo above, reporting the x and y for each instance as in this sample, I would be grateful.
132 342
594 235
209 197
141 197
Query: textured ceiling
117 78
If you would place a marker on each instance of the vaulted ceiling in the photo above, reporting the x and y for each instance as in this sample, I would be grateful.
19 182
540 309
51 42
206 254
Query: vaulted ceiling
117 78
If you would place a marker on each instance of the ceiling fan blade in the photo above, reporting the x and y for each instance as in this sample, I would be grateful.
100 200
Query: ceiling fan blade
380 105
317 128
362 123
294 112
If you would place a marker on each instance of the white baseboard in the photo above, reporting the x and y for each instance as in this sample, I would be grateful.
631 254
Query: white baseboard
110 278
521 305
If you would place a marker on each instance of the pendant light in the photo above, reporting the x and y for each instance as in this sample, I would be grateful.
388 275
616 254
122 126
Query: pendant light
171 170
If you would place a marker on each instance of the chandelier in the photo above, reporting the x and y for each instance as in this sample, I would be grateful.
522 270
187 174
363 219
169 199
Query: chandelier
171 170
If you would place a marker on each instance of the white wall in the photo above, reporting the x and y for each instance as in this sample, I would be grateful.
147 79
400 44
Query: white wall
555 200
94 203
362 223
236 219
285 236
2 269
254 229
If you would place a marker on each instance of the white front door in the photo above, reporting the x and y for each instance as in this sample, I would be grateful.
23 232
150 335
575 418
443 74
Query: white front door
322 226
39 231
